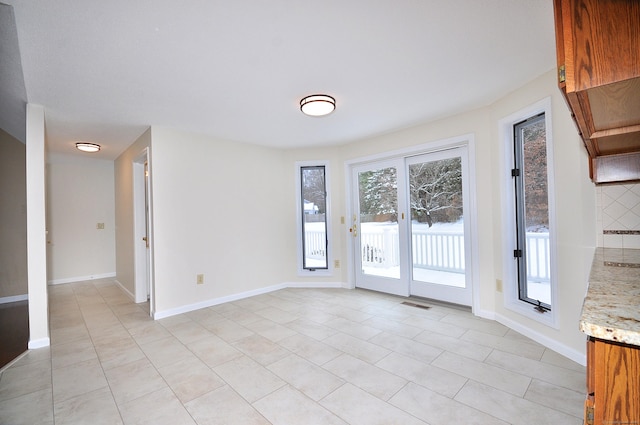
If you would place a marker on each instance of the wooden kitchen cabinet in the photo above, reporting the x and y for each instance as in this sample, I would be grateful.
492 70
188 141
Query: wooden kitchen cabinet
598 54
613 383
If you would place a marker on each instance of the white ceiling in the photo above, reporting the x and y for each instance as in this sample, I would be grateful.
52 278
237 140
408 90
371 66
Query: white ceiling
105 70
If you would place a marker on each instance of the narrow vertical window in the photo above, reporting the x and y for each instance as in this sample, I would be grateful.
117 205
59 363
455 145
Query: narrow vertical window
313 213
532 253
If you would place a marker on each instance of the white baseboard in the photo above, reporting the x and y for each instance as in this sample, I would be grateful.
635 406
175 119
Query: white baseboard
14 299
558 347
39 343
235 297
81 278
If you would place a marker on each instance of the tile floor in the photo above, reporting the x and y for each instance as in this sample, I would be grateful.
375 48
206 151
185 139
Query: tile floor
296 356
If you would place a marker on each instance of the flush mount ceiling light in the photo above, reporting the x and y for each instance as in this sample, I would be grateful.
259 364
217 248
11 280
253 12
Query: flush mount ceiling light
87 147
317 105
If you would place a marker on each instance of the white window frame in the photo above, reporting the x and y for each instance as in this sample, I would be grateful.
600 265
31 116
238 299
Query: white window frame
510 271
300 254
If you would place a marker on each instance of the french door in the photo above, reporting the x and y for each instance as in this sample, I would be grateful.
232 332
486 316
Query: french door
409 227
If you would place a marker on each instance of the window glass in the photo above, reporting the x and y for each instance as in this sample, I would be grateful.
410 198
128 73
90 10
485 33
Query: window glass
314 217
532 251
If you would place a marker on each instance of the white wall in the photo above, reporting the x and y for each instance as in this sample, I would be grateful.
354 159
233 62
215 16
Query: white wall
124 231
575 219
218 211
80 194
36 229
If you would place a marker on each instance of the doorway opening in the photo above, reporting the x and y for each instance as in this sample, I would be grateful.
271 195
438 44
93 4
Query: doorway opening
143 246
412 222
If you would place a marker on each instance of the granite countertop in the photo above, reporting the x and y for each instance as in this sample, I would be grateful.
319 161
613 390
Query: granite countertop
611 309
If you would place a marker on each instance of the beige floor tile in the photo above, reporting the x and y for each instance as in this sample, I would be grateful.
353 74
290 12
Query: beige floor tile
270 330
315 351
72 352
276 315
436 409
358 407
161 407
518 347
250 379
311 329
358 348
119 353
190 379
227 330
356 329
562 399
436 379
314 381
553 358
164 352
95 408
261 349
436 326
34 408
70 334
408 347
549 373
148 332
288 406
476 323
224 406
189 332
214 351
502 379
393 327
77 379
20 380
134 380
509 408
455 345
372 379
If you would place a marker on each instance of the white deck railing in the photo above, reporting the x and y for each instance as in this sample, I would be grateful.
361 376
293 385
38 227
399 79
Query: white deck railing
431 250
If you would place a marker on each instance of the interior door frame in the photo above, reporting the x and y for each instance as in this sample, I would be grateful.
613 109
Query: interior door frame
467 140
143 227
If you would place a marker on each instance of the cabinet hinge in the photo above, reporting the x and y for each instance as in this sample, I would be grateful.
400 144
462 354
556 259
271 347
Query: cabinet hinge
562 76
588 415
517 253
515 172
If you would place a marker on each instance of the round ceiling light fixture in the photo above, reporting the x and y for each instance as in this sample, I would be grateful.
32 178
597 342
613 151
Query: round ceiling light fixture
317 105
87 147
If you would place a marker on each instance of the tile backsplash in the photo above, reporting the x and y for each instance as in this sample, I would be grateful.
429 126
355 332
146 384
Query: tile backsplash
618 215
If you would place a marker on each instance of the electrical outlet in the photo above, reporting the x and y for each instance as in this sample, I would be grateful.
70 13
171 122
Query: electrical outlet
336 264
100 226
498 285
342 220
200 279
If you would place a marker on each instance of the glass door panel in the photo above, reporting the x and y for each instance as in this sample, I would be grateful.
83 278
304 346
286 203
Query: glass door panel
377 230
437 206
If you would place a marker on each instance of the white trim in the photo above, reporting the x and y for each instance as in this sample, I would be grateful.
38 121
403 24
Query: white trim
235 297
39 343
511 298
553 344
299 253
14 299
81 278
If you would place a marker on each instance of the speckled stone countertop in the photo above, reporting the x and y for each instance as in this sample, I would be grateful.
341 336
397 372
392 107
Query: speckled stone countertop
611 309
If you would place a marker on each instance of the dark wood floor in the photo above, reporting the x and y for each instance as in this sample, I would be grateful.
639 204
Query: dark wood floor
14 330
